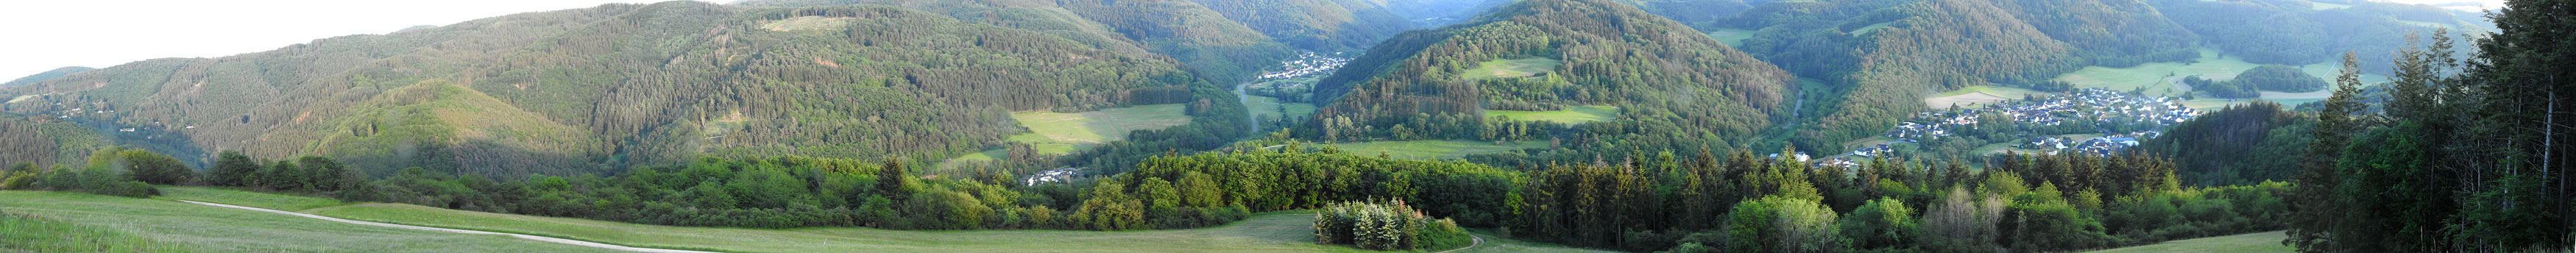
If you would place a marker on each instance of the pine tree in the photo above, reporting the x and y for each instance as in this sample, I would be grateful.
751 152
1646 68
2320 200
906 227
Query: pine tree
2316 214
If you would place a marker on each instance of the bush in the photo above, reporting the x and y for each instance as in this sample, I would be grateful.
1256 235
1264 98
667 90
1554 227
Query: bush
1386 225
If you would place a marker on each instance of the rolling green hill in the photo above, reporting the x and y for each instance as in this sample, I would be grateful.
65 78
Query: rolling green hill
1541 56
567 92
47 75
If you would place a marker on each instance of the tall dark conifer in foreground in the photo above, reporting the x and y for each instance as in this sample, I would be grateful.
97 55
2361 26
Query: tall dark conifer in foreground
2521 113
2309 229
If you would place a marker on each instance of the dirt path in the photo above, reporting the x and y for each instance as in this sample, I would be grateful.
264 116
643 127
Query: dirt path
529 237
1472 243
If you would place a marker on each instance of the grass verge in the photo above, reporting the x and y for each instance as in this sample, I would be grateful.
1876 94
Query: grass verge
219 229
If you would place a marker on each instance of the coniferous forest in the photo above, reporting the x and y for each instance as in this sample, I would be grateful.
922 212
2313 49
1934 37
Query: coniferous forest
1331 125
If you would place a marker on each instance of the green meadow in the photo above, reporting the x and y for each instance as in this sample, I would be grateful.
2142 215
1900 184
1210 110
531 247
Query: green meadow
1059 133
218 229
1569 115
1445 149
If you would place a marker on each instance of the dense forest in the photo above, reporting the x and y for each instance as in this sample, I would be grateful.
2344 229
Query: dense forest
541 92
841 113
1674 88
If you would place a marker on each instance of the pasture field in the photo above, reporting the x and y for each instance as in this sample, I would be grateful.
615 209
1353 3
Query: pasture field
217 229
944 166
1495 243
1509 68
1270 232
1871 28
2264 242
21 233
1446 149
1569 115
1268 108
280 202
1973 96
1732 37
1058 133
2159 78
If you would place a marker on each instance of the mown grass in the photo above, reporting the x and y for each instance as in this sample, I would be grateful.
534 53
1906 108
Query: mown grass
21 233
1497 243
245 198
1270 232
2263 242
1058 133
219 229
1445 149
1731 37
1569 115
2157 77
1871 28
1268 108
1509 68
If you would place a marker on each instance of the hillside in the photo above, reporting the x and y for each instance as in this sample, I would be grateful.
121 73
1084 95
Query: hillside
566 92
1438 84
47 75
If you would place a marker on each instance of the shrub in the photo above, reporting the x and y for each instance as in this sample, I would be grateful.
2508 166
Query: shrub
1386 225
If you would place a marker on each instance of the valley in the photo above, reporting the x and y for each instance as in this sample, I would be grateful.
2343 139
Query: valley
1680 126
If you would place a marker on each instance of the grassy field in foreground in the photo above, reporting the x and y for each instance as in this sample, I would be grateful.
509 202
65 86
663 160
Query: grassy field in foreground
1509 68
2245 243
1448 149
1284 231
20 233
1569 115
218 229
245 198
1058 133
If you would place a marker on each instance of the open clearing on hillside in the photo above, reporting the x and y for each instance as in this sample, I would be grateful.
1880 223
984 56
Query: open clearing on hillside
2156 77
2326 6
1568 115
21 98
1058 133
807 23
1731 37
2264 242
1974 96
2164 78
217 229
1872 27
1448 149
1509 68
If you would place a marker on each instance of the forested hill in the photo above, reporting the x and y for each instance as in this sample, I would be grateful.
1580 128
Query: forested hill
1544 55
1881 56
47 75
565 92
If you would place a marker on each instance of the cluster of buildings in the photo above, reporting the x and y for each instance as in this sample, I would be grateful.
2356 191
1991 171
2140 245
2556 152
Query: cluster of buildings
1306 64
2098 146
1057 175
2102 106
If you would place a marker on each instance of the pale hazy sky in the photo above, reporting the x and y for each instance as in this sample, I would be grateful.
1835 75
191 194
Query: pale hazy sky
40 35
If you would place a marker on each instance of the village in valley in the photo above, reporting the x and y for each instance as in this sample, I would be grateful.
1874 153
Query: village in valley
2051 123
